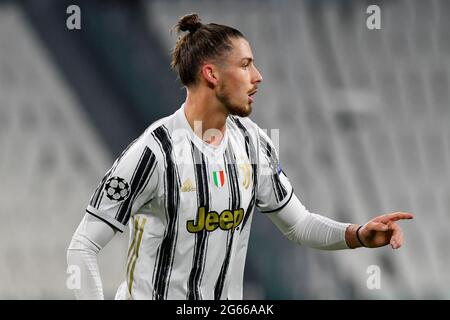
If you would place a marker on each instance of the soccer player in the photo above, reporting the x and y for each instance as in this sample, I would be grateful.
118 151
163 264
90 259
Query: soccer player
188 186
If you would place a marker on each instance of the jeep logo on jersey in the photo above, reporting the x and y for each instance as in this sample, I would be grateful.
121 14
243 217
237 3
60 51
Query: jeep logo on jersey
219 178
227 220
117 189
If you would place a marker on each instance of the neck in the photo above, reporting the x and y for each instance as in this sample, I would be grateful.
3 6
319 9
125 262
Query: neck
206 115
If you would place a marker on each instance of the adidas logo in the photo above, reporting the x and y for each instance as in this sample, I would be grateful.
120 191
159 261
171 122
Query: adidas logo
187 186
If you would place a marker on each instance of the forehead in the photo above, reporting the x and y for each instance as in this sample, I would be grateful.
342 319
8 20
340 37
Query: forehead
241 49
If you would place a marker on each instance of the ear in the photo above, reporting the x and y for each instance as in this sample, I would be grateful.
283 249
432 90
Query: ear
210 74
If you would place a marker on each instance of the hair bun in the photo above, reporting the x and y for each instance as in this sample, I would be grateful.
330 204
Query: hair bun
190 22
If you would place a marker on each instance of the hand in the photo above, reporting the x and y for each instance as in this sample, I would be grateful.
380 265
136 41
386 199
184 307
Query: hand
383 230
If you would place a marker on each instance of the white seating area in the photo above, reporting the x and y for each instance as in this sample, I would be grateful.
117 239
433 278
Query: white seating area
51 161
363 124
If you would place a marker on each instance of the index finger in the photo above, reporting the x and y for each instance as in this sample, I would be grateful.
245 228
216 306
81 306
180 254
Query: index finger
395 216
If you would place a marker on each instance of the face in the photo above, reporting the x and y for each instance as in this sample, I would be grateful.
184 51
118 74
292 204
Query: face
239 79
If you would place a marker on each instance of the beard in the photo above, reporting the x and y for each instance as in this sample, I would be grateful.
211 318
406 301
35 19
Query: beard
242 110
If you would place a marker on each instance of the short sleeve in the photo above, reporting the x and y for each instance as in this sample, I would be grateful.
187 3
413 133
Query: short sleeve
274 188
127 186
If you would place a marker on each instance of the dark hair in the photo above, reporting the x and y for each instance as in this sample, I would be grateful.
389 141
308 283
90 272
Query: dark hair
202 42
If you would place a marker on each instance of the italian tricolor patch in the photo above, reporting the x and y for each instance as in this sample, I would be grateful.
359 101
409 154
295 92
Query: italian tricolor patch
219 178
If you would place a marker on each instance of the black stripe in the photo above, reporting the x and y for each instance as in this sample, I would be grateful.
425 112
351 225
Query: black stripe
275 187
141 188
252 155
201 238
282 192
166 252
141 175
235 201
206 173
278 187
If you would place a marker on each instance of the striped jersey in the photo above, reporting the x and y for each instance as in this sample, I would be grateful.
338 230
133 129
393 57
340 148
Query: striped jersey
189 206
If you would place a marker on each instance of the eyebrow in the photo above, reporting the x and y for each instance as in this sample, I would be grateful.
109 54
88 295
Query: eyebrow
248 59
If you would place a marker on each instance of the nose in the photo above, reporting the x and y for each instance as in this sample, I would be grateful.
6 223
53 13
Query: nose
257 78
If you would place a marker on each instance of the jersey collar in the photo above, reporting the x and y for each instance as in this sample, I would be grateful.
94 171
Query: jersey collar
206 148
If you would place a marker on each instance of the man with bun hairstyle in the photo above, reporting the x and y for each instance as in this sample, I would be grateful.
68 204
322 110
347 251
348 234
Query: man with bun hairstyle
188 186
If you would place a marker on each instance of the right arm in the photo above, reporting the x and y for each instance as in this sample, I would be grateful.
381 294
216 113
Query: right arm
90 237
127 186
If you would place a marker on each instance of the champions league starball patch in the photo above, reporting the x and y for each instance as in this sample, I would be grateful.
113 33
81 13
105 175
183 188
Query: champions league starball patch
117 189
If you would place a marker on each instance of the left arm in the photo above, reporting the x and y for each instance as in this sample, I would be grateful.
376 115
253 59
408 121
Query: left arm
316 231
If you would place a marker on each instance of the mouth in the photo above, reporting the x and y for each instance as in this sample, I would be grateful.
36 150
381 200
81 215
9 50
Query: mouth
251 95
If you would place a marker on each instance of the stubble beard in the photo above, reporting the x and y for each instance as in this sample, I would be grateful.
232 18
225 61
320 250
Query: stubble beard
233 109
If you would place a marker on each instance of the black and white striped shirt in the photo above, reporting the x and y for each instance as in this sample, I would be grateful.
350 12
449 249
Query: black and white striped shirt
189 206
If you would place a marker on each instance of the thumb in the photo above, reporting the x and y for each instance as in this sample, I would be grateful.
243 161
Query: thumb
377 226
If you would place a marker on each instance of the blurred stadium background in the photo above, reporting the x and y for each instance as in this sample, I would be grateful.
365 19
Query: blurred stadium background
363 116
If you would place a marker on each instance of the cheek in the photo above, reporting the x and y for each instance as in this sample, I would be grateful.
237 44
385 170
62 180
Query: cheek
240 82
234 84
